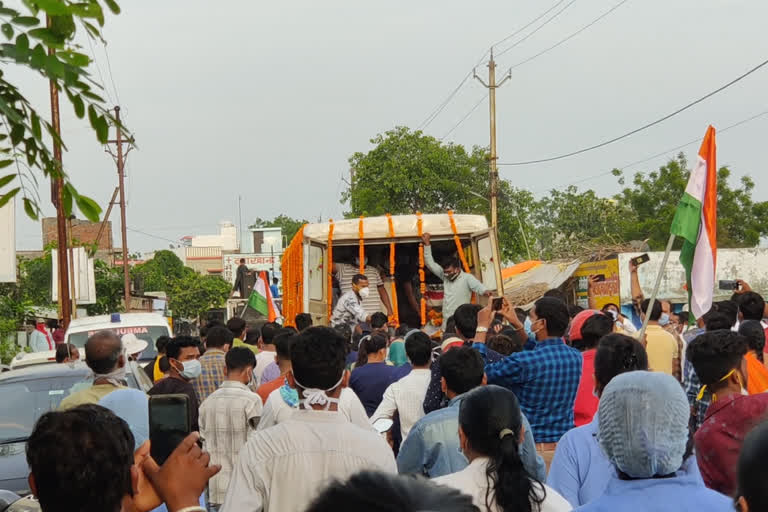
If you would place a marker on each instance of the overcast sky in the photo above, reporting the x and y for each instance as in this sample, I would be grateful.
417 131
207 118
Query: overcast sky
269 99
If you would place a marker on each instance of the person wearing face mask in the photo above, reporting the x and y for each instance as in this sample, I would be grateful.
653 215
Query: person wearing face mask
349 309
184 357
105 356
378 296
227 417
663 349
718 359
458 286
286 466
622 323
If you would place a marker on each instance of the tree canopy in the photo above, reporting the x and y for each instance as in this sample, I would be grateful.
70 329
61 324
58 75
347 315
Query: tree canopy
409 171
289 225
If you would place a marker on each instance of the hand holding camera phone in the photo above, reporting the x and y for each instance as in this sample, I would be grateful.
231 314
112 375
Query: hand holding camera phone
169 424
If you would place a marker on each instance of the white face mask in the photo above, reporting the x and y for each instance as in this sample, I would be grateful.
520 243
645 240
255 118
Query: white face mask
192 369
315 396
364 292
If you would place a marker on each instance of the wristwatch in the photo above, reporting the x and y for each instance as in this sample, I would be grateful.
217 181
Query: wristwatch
481 329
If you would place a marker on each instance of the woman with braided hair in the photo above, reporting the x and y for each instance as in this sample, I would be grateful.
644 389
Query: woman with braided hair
579 469
490 432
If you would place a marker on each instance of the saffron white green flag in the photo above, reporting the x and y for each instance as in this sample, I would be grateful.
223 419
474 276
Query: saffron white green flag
261 299
696 223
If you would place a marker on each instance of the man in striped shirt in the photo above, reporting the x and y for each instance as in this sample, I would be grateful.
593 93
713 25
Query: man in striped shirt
373 302
227 417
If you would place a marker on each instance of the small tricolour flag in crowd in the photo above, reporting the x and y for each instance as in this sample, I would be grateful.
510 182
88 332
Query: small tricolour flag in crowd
261 299
696 223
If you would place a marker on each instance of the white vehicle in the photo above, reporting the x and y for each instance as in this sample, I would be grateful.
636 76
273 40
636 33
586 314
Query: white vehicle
145 326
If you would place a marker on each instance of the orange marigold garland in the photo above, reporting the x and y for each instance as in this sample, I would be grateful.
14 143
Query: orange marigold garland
422 284
362 245
395 318
330 269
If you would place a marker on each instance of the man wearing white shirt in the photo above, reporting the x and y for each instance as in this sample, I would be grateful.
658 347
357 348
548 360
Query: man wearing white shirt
406 396
285 467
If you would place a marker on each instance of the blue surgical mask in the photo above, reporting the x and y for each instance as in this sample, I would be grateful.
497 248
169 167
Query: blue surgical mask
663 319
528 331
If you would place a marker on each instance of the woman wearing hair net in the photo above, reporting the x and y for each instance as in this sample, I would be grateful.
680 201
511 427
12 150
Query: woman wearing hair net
643 431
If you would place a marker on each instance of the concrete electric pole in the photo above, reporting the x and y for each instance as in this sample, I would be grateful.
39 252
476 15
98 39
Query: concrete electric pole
494 171
120 160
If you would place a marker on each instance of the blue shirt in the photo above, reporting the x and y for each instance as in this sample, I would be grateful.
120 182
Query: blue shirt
545 381
369 383
692 385
681 493
275 292
432 447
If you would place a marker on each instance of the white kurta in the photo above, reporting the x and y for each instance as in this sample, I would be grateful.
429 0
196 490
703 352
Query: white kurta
472 481
406 396
277 411
285 467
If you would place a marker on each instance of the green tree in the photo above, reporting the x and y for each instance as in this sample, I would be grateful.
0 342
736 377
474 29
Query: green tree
289 225
650 202
24 140
109 289
159 273
194 294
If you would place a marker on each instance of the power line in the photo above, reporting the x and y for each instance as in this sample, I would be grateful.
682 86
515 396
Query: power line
471 111
667 151
152 236
568 38
642 128
109 68
516 32
98 69
520 41
441 106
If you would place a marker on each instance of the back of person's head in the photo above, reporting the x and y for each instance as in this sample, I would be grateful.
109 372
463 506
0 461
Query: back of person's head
64 351
252 335
714 354
556 293
236 325
275 280
555 313
655 312
242 261
730 309
381 492
684 317
268 331
303 320
716 321
239 358
174 347
283 342
318 357
52 323
594 328
218 337
103 352
208 326
162 343
462 368
418 348
379 320
491 424
465 318
617 354
574 309
577 324
752 494
503 344
643 424
370 344
752 306
450 325
81 459
755 334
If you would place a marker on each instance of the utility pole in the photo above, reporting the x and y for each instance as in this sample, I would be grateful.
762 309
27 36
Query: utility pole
57 188
494 171
119 159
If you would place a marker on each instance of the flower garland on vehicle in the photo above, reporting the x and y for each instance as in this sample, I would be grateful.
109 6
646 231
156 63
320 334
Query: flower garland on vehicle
422 284
362 245
395 318
293 287
330 269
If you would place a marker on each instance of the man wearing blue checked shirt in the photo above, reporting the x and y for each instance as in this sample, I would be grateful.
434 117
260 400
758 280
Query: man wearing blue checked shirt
544 379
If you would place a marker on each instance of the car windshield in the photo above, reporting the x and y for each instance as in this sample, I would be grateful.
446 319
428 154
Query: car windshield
25 401
147 333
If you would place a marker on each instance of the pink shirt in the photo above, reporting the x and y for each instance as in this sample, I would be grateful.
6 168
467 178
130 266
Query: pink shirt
585 406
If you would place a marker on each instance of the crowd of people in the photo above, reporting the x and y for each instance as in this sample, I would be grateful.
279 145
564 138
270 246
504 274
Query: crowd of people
549 410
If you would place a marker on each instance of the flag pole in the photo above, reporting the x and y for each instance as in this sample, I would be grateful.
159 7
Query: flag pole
655 292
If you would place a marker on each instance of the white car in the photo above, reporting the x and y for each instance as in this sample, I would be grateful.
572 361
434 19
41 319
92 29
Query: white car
145 327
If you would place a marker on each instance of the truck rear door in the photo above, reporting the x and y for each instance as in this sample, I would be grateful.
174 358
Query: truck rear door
488 265
316 271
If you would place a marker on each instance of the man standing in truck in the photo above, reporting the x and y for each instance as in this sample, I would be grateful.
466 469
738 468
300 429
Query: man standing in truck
457 284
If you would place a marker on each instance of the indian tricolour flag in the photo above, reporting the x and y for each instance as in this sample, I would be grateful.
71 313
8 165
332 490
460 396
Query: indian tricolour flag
696 222
261 299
